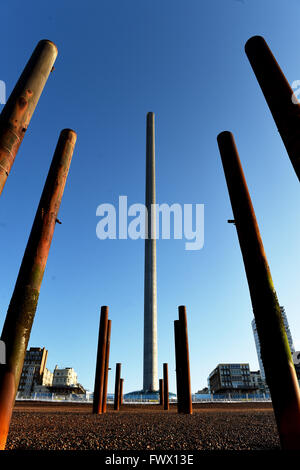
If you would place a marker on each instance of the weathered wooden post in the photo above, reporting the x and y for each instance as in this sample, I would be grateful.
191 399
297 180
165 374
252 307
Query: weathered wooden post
117 387
23 304
178 357
17 112
121 391
275 352
166 387
161 392
106 368
185 376
100 365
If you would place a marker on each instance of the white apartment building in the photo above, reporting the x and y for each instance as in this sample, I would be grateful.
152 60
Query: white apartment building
64 377
257 343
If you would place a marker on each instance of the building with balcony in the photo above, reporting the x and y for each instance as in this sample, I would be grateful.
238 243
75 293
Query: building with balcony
231 379
259 382
257 343
65 382
34 371
65 377
36 378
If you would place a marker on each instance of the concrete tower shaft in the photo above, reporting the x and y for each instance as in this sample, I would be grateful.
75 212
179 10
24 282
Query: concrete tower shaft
150 382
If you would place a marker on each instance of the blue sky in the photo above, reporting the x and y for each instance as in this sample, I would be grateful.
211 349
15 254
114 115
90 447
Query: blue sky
185 61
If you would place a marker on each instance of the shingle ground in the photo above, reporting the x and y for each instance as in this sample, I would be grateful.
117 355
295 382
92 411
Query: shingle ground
237 426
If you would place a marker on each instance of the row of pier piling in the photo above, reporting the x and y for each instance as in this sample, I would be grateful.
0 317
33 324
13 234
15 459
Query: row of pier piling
276 355
183 381
14 121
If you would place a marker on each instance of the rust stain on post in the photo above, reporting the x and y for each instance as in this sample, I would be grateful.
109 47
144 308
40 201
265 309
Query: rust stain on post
117 387
166 387
275 351
185 377
20 106
178 357
100 365
106 368
280 97
23 304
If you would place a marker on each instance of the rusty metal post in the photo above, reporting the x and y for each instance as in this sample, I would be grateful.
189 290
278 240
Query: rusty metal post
166 387
106 367
187 407
18 110
100 365
161 392
280 97
117 387
23 304
275 352
178 357
121 391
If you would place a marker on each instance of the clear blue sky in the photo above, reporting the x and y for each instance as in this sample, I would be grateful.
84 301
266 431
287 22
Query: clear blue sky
185 61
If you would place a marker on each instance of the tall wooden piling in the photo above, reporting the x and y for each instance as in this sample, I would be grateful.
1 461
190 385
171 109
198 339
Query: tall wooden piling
166 387
23 304
280 97
100 365
117 387
275 351
178 357
161 392
185 376
17 112
106 367
121 391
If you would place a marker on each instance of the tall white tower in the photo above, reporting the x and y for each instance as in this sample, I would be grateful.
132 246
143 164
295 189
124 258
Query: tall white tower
150 381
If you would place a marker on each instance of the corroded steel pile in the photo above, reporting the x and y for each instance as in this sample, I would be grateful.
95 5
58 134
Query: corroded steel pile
152 429
17 112
102 365
14 121
275 351
282 102
182 359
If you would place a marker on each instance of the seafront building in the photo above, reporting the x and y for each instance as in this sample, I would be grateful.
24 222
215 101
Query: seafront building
232 379
34 372
36 378
257 343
